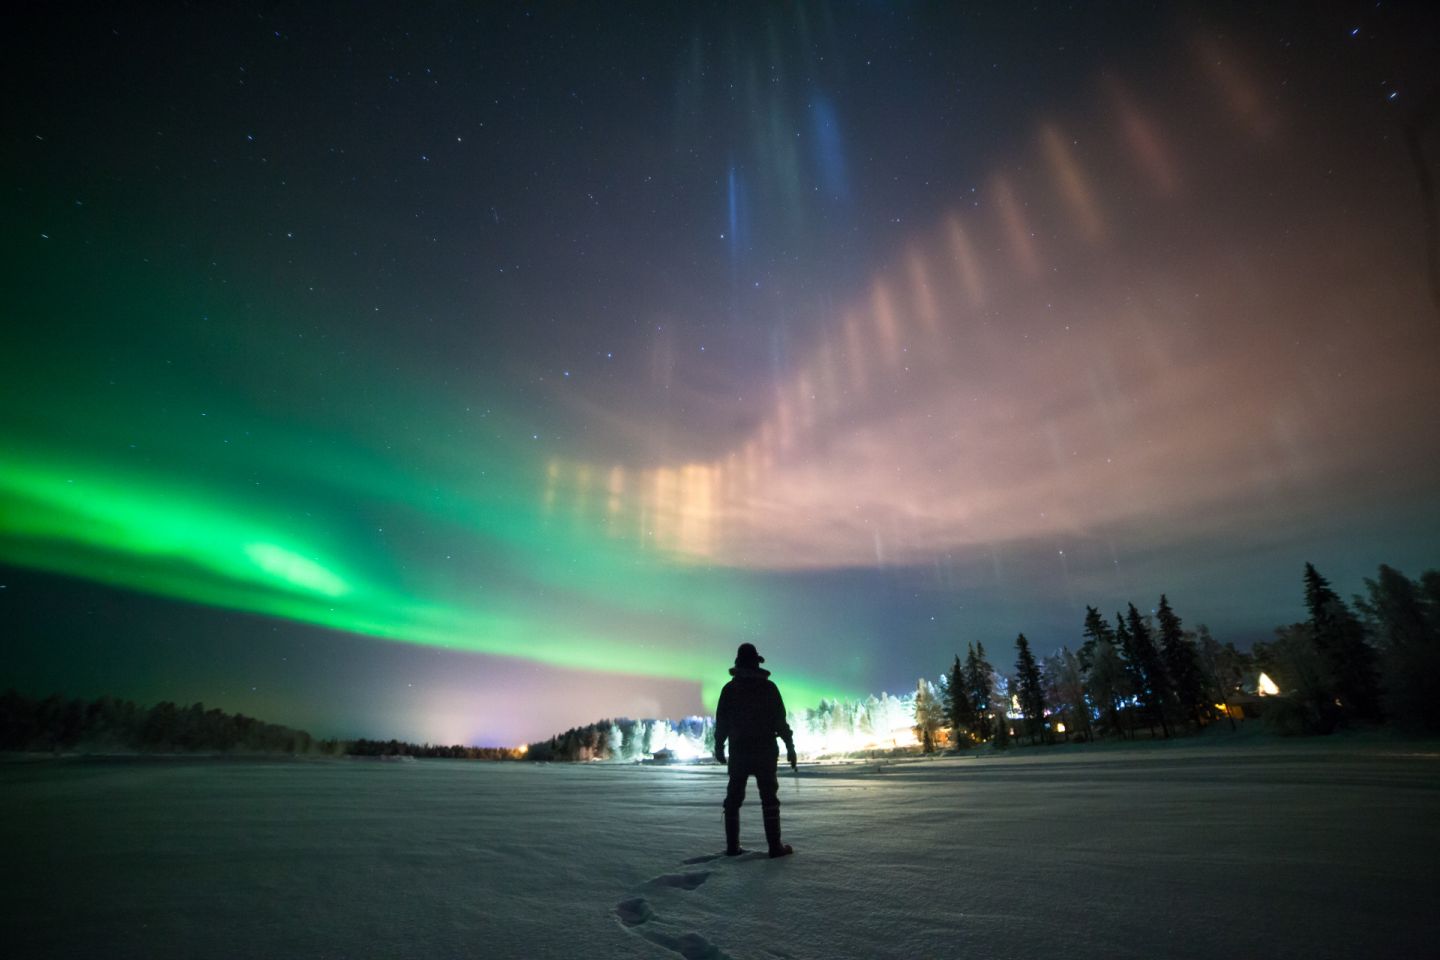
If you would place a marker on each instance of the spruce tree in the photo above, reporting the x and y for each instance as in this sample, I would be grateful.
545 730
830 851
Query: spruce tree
1154 684
980 684
1404 617
1340 638
957 706
1031 692
1096 631
1182 663
1134 680
1395 607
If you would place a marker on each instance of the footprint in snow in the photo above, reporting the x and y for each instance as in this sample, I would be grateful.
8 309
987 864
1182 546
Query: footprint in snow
708 857
680 881
703 858
634 911
638 917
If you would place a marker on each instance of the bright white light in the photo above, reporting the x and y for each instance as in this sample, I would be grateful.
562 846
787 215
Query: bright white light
1267 686
682 746
833 729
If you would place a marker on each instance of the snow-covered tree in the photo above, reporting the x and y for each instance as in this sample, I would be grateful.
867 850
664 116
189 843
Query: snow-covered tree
929 714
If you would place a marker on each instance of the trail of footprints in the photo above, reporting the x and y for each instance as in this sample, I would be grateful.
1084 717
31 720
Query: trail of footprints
638 916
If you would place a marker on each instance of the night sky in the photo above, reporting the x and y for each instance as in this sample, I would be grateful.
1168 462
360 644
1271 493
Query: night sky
467 374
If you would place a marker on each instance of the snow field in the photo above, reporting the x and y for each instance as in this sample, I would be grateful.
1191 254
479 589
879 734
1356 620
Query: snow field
1278 852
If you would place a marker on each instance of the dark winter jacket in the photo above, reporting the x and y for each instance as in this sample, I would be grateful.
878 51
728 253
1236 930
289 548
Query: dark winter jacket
751 715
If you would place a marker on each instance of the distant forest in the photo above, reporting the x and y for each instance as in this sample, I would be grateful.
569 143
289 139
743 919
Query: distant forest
1373 661
56 725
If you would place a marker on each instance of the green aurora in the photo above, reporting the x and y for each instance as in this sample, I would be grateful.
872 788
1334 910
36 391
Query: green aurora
168 478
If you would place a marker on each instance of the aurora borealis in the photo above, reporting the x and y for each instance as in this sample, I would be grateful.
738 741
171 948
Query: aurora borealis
466 375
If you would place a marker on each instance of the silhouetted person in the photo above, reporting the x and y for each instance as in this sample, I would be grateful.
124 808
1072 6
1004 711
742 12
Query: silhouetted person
751 716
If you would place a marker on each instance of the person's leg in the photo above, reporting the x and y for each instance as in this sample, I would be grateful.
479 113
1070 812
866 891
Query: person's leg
769 785
734 797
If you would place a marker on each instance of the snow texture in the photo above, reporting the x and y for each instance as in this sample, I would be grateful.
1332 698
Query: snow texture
1289 851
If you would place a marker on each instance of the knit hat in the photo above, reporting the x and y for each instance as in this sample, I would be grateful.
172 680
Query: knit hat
748 656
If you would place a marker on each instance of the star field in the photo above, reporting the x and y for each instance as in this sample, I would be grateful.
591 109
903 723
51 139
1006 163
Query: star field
469 374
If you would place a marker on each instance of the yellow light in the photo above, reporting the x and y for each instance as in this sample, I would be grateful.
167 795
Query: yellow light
1059 728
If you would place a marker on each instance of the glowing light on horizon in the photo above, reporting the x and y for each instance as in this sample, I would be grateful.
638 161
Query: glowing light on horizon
883 723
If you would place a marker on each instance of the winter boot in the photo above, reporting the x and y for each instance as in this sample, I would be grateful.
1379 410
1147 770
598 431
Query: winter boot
732 833
772 835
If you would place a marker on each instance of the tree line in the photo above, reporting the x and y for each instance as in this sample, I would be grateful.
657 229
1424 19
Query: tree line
55 724
1373 660
1378 662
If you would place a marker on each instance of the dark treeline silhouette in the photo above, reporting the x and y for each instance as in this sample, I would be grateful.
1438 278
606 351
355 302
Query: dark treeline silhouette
590 742
55 724
1376 663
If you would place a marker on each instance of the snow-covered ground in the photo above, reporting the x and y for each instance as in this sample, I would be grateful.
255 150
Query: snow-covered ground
1290 850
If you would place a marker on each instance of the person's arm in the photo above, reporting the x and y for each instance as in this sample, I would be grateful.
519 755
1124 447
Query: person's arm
722 724
782 728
